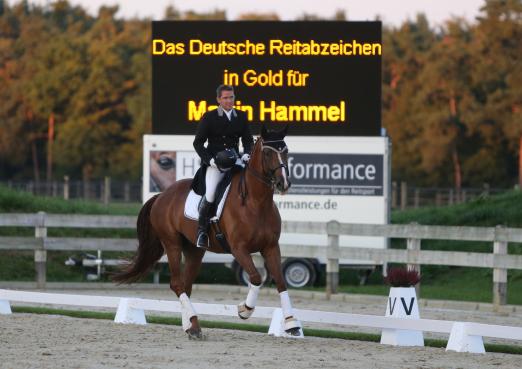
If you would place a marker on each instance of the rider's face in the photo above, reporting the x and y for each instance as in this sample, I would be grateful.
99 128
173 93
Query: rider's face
226 100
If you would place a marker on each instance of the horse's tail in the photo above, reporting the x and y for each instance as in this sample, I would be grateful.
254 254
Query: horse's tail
150 249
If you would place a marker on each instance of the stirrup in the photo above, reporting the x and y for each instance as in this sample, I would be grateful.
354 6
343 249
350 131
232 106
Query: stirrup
201 242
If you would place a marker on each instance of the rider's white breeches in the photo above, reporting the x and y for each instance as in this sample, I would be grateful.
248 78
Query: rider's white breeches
212 178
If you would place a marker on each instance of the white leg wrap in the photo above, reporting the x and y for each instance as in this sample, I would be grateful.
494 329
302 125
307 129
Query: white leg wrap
286 304
290 321
253 292
246 308
187 311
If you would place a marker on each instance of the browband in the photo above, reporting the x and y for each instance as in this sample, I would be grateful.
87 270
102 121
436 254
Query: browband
273 145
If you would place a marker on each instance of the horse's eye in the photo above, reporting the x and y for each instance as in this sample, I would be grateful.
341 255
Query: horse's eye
166 163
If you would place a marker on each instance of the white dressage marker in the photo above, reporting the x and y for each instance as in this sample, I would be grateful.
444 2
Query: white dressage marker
127 314
277 326
461 341
402 303
5 308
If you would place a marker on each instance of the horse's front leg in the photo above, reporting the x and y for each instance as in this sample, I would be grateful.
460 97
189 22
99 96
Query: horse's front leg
272 256
246 308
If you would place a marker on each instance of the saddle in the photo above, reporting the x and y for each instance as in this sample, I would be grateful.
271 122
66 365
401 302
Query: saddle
193 201
199 188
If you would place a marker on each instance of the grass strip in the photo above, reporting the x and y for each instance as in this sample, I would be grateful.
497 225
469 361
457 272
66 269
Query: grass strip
12 201
308 332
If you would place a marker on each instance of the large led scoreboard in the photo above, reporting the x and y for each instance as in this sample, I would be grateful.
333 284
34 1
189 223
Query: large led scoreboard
322 79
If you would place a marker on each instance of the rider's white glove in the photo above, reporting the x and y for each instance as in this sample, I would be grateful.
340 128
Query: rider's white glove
213 163
245 158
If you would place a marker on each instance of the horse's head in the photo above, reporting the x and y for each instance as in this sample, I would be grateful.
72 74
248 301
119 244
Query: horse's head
274 158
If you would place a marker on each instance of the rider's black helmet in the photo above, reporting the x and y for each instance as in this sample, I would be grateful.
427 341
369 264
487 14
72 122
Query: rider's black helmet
226 159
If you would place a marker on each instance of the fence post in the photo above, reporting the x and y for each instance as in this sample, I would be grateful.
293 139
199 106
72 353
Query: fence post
414 247
438 199
156 275
40 254
107 190
126 191
499 275
394 195
66 187
416 199
485 187
332 255
404 195
86 189
55 188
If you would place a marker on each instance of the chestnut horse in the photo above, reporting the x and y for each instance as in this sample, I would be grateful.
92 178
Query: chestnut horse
250 222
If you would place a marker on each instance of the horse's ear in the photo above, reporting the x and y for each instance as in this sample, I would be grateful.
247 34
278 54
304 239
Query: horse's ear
263 131
285 130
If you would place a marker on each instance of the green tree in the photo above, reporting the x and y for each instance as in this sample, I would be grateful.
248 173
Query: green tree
339 15
126 162
22 35
98 120
60 69
258 17
405 54
497 79
445 97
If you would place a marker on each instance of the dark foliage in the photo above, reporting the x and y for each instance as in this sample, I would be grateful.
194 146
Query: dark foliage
402 277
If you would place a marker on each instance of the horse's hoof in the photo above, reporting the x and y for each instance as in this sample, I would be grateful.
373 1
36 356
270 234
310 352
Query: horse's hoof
244 312
294 331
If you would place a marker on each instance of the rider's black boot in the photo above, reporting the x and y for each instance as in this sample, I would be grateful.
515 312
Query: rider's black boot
203 222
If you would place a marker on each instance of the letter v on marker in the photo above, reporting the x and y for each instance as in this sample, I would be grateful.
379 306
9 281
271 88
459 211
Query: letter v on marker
407 310
392 307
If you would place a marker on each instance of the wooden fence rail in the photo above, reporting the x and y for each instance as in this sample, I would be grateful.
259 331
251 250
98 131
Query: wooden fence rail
499 259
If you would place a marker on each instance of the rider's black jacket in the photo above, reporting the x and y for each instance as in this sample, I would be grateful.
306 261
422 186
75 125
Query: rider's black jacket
222 134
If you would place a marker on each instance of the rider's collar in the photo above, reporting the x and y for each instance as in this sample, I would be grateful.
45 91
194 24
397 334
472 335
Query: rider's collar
221 111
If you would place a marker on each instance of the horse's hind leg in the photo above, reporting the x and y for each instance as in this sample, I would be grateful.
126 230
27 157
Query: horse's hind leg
189 319
193 258
272 256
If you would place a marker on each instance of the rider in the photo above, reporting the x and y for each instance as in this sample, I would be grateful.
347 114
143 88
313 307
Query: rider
222 128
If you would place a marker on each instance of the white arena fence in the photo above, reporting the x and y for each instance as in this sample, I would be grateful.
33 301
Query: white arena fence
413 255
463 336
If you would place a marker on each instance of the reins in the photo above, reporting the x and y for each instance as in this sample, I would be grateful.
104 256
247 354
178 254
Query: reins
242 187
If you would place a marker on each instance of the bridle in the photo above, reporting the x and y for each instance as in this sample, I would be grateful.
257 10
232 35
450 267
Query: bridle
279 147
267 177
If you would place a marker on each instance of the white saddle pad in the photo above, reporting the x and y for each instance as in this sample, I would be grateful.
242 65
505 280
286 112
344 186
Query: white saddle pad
192 202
